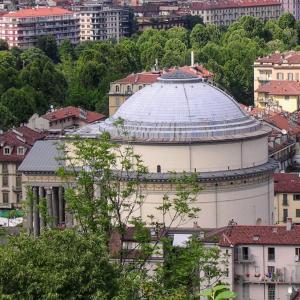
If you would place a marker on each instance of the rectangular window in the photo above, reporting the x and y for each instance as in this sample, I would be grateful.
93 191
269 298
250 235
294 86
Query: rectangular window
290 76
271 291
284 199
297 213
296 197
297 254
4 168
286 98
19 197
271 253
5 197
18 181
5 180
285 215
279 76
245 253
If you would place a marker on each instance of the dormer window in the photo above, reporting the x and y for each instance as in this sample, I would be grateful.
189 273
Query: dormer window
128 89
6 150
20 150
117 89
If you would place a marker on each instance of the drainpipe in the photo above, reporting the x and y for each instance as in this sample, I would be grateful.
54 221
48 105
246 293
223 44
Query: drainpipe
264 271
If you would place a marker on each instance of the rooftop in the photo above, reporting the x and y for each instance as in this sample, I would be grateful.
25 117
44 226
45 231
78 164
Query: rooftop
286 183
221 4
38 12
71 111
280 87
289 57
179 107
18 137
260 235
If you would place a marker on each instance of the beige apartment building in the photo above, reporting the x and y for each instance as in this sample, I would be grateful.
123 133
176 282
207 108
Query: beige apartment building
224 12
22 28
287 197
277 67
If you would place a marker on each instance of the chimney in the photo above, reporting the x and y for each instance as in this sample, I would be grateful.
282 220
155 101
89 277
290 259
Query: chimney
192 59
289 223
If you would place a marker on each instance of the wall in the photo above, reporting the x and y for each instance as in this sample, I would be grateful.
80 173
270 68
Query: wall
204 157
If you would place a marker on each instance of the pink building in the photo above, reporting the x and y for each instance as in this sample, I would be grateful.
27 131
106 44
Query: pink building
264 261
22 28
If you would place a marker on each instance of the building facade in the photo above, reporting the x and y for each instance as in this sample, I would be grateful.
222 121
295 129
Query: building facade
15 144
287 197
102 21
279 93
277 67
264 260
22 28
224 13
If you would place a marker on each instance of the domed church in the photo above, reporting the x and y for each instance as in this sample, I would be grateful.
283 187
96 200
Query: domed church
183 124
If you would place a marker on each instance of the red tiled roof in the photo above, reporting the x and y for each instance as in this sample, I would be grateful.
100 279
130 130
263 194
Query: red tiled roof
219 4
38 12
260 235
151 77
19 137
291 57
286 183
280 87
140 78
71 111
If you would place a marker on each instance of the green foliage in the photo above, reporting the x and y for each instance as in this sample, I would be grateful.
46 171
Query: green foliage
3 45
81 75
219 292
57 265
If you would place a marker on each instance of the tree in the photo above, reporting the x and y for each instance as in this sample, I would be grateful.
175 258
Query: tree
192 21
50 268
199 36
7 119
287 20
66 50
48 45
3 45
20 102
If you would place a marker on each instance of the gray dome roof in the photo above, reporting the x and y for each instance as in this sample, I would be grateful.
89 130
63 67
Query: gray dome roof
179 107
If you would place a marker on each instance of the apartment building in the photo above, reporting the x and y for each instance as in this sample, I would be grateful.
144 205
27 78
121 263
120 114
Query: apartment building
287 197
225 12
292 6
285 94
102 21
69 117
264 260
277 68
14 146
123 88
22 28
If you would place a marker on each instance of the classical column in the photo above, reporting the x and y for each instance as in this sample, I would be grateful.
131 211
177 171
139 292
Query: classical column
43 207
36 212
61 205
49 206
55 206
30 211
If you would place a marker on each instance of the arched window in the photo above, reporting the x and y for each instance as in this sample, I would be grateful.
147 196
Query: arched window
117 89
158 168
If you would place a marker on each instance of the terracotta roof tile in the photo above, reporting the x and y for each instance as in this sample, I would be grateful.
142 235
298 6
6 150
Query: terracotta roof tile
260 235
280 87
19 137
291 57
38 12
286 183
71 111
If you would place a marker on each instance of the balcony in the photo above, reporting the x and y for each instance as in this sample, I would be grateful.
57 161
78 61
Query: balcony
17 188
244 259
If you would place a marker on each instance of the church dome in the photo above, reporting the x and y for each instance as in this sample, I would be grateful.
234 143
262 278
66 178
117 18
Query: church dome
179 107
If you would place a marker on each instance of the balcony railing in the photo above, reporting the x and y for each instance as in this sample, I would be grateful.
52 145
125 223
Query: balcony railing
244 258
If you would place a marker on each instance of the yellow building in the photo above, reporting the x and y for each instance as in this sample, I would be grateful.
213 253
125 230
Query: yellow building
277 66
287 197
281 93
